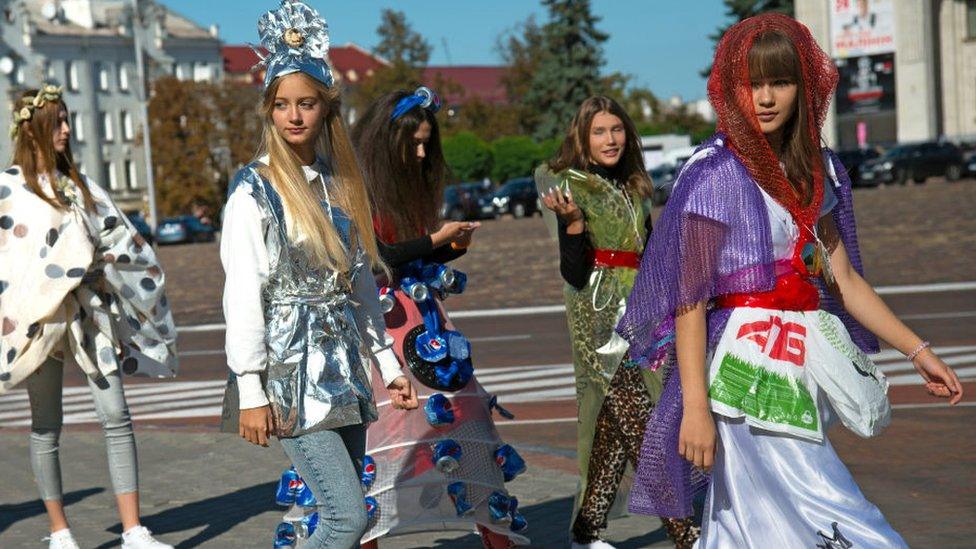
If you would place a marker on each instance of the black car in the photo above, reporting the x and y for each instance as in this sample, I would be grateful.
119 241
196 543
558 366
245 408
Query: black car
852 161
467 201
142 227
518 197
663 179
916 162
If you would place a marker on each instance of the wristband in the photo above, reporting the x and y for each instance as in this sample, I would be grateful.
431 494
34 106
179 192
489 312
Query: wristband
921 347
454 246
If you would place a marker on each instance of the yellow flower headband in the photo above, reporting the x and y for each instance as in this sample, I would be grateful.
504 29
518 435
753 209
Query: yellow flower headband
49 92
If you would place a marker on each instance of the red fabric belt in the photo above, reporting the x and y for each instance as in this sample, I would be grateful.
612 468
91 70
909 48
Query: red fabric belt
603 257
793 292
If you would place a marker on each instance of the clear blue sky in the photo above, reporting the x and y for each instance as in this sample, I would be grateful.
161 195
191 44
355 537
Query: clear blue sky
662 43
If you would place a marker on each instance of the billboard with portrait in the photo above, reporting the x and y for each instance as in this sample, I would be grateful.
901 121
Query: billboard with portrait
866 84
861 27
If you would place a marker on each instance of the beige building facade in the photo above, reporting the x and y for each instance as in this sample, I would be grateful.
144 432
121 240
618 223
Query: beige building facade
908 68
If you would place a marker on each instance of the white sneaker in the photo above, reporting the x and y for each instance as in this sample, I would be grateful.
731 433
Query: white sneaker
62 539
140 537
598 544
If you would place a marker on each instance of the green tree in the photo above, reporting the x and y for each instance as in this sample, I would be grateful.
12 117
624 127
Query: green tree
520 50
737 10
513 157
405 50
568 69
468 156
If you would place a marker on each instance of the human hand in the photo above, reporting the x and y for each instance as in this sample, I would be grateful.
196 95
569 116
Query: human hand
940 379
403 396
256 425
562 205
696 438
464 240
448 232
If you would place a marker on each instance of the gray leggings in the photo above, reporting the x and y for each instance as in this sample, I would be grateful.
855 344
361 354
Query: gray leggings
44 390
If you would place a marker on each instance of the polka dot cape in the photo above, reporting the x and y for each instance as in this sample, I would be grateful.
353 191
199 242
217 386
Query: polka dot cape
79 284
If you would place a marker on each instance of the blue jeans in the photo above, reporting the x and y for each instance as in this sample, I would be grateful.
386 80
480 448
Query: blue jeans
330 462
44 388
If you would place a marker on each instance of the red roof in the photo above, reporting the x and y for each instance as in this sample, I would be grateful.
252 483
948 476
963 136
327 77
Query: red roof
483 82
350 62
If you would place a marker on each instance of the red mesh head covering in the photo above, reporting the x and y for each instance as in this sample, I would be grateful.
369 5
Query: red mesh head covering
730 92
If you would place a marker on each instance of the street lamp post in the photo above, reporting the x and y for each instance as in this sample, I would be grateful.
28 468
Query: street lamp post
143 91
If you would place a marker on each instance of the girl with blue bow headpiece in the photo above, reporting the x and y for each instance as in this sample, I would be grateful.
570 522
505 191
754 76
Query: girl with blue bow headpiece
398 140
303 318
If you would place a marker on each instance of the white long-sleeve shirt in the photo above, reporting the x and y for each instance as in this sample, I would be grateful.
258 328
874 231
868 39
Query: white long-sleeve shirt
244 256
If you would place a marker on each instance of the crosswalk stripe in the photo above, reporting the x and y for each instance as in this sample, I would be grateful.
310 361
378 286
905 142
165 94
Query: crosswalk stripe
512 384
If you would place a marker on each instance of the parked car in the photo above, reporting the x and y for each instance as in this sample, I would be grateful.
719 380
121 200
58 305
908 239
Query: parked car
916 162
184 228
663 179
518 197
142 227
852 161
970 163
467 201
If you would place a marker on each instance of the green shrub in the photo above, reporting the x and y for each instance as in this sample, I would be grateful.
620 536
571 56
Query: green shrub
468 156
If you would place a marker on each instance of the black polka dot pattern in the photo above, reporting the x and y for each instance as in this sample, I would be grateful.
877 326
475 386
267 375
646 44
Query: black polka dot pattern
127 291
4 191
53 271
77 272
11 355
12 171
6 222
134 323
130 365
3 285
4 376
52 237
147 284
110 222
123 259
33 329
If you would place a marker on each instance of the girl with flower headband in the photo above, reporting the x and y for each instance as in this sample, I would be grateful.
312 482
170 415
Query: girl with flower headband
78 288
398 142
754 302
298 249
597 188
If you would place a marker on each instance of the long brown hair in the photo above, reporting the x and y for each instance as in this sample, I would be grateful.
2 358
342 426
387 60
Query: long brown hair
773 55
34 149
406 192
575 150
307 224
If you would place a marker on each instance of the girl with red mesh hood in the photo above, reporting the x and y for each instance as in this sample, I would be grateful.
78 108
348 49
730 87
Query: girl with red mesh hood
751 296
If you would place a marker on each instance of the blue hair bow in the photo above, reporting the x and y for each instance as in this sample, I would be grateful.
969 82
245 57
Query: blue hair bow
423 97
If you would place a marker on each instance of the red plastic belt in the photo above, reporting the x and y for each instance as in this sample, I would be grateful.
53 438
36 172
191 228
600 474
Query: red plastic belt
603 257
793 292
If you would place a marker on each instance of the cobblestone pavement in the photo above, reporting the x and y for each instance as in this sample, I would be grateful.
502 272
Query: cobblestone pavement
909 235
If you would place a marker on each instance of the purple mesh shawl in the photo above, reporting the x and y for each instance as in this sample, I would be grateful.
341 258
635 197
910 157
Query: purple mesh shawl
713 238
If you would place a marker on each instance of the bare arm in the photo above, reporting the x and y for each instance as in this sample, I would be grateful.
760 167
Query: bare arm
863 303
696 439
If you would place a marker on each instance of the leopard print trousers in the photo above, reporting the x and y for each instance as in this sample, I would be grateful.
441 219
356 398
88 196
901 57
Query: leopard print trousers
618 439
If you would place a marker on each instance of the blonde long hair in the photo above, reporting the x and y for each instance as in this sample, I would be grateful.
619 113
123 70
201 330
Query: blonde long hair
303 212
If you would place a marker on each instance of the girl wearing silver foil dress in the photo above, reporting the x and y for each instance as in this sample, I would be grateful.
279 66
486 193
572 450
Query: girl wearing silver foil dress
298 249
762 316
79 288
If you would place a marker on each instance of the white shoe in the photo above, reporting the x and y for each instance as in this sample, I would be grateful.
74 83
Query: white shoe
140 537
62 539
598 544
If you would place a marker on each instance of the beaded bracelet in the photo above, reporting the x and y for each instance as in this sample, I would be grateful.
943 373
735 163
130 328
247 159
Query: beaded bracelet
921 347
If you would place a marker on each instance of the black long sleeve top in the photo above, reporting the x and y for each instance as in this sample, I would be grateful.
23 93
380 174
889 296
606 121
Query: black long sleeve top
399 254
575 261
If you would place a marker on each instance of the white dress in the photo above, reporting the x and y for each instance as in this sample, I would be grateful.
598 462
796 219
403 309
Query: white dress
777 481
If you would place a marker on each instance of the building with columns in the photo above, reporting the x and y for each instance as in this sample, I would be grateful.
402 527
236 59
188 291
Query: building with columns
908 68
87 46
